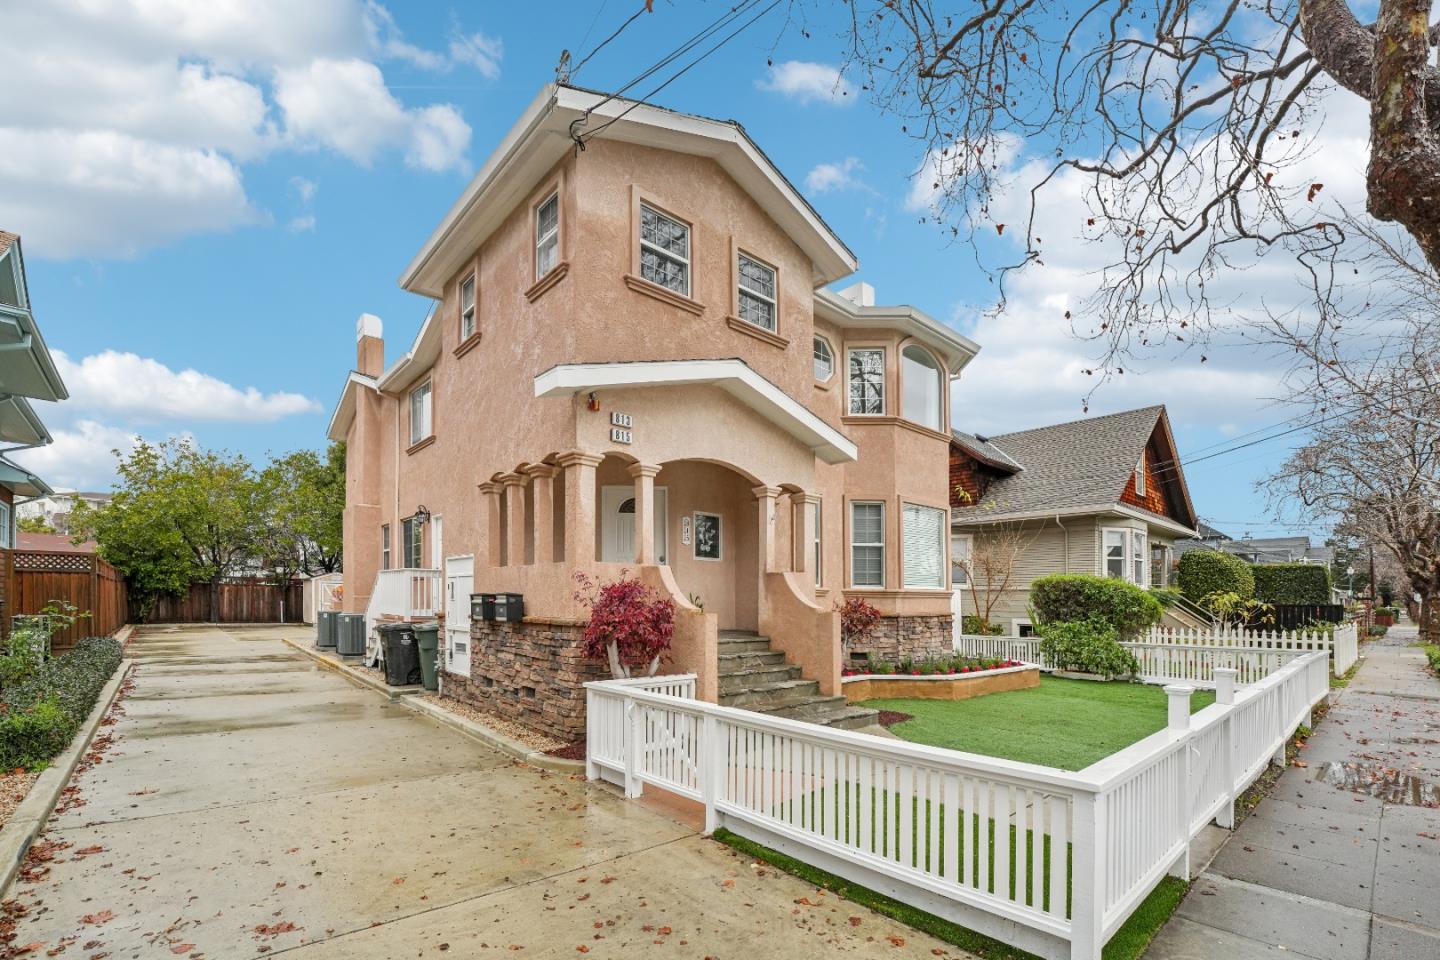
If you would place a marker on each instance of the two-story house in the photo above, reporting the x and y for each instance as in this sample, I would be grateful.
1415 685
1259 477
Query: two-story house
633 363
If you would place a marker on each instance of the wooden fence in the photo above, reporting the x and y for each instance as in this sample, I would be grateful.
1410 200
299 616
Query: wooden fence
91 584
240 601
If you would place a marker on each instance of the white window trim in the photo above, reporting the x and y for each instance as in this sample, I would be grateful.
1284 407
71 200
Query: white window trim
1140 475
1124 551
467 316
384 546
967 538
1140 557
7 526
429 425
935 367
881 544
830 350
552 234
742 291
1017 622
661 251
817 547
943 579
849 395
1129 539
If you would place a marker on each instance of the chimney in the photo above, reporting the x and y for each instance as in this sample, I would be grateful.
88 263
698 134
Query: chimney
369 346
860 294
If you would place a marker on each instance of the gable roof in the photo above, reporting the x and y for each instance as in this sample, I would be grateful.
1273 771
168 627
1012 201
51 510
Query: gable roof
543 135
1078 467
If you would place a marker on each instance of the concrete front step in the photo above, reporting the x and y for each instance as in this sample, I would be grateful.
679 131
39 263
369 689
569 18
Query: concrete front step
812 709
736 662
762 695
744 644
745 679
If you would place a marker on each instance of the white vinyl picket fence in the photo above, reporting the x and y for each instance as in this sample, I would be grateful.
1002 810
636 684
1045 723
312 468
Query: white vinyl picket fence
1167 655
1049 860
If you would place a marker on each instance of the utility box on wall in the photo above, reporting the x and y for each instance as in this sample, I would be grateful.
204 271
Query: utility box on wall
482 606
504 607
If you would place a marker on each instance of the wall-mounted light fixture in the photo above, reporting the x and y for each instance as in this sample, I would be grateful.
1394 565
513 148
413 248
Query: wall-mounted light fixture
422 515
593 403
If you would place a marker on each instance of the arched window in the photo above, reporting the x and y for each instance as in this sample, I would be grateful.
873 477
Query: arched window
824 359
922 395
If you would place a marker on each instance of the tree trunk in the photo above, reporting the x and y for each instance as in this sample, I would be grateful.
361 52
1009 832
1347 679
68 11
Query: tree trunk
1429 621
214 600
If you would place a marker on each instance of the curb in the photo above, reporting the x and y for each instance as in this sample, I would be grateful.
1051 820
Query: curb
476 731
29 819
350 673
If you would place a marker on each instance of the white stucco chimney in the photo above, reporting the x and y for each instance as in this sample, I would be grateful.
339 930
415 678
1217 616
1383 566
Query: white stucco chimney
861 294
369 345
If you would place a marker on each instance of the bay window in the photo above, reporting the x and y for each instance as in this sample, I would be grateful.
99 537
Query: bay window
921 393
1137 558
1126 555
1115 553
867 381
923 547
867 543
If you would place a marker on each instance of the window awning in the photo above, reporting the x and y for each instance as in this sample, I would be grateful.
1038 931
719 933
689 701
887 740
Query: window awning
735 377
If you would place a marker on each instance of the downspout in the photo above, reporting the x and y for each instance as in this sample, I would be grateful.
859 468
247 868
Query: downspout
1065 562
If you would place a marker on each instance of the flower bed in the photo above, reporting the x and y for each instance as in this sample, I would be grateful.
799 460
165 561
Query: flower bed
974 679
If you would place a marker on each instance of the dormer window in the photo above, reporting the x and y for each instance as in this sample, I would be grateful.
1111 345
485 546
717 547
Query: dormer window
664 251
467 308
757 293
1140 475
547 235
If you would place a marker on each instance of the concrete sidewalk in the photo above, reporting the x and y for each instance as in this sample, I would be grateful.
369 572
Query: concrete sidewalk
1342 860
254 804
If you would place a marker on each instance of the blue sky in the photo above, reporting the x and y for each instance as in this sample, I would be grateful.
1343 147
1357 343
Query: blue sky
246 182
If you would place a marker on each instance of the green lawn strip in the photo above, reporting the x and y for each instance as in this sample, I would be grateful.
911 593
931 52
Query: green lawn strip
1067 724
1128 943
1432 653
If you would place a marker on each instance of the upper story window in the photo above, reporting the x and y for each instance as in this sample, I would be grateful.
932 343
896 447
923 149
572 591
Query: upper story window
664 251
420 410
922 396
824 359
757 293
867 381
547 235
467 308
1140 475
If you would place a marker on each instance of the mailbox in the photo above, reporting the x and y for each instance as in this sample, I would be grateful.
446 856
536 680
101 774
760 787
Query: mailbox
482 606
509 607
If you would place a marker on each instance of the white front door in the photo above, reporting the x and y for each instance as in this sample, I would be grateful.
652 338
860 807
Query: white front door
459 584
617 524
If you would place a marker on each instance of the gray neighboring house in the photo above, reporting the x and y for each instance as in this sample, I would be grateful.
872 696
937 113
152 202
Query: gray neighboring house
1105 496
1260 549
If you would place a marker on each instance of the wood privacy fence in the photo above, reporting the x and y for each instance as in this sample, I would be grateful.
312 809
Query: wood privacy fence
241 600
1049 860
91 584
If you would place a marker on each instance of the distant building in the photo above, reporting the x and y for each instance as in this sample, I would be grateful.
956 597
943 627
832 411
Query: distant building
1259 549
56 507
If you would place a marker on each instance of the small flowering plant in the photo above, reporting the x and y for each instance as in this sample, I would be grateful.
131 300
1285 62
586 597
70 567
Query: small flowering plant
857 619
944 666
630 625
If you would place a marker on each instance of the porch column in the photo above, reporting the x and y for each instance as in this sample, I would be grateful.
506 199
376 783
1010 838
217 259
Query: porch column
579 506
765 513
514 519
494 545
644 475
804 527
542 475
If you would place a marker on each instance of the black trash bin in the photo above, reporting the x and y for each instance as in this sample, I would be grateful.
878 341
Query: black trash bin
402 654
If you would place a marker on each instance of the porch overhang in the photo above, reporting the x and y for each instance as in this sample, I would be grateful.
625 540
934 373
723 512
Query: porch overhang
735 377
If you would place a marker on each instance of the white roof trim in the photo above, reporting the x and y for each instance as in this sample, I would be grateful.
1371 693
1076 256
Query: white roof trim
540 138
735 377
1156 521
419 358
1099 509
958 350
344 413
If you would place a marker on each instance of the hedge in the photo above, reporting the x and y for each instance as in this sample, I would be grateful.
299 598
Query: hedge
1203 572
1069 597
40 715
1287 583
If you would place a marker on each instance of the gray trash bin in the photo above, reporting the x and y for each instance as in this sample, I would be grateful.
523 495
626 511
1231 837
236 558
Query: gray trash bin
325 627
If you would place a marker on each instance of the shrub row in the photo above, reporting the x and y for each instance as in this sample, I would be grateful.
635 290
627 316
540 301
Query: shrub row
1203 572
41 714
1291 583
1067 597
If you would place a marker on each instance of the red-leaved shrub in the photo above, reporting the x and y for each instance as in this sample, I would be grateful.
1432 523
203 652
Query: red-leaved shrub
630 624
857 619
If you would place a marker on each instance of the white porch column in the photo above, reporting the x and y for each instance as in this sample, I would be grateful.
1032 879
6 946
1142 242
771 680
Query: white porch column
804 527
579 506
514 519
494 544
644 475
542 475
765 513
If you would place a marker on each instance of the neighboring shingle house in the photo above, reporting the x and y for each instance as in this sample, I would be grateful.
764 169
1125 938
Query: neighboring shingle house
1260 549
1105 495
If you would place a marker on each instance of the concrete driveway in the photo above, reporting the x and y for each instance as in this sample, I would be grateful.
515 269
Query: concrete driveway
254 804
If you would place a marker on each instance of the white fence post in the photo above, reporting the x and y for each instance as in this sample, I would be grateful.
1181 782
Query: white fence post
1179 722
634 743
1088 892
714 761
1225 696
592 770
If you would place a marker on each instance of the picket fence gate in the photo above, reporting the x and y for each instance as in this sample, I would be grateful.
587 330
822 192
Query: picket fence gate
1051 861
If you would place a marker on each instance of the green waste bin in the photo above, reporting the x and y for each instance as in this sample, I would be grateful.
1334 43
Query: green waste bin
427 637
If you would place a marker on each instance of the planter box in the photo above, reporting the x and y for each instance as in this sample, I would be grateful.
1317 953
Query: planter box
947 686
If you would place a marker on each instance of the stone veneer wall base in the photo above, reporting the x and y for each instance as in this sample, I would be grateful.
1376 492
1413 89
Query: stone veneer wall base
899 638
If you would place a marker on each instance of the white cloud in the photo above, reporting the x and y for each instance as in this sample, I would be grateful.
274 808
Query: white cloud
74 193
843 175
806 82
126 124
141 389
82 456
301 224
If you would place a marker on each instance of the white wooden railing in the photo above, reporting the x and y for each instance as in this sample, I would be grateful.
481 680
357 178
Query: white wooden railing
1049 860
406 594
1171 654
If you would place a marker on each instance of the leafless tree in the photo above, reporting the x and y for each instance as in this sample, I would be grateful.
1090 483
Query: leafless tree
990 568
1189 125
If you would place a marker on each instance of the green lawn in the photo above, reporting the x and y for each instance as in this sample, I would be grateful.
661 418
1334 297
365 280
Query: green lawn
1068 724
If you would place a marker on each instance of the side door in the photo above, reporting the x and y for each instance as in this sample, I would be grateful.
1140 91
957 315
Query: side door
459 584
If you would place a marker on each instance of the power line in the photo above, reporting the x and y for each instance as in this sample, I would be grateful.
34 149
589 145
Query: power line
601 46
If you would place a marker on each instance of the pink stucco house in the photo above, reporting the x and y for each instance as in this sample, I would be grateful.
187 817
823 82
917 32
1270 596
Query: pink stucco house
634 362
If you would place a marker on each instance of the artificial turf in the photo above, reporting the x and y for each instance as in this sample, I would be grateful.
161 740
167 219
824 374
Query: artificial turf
1068 724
